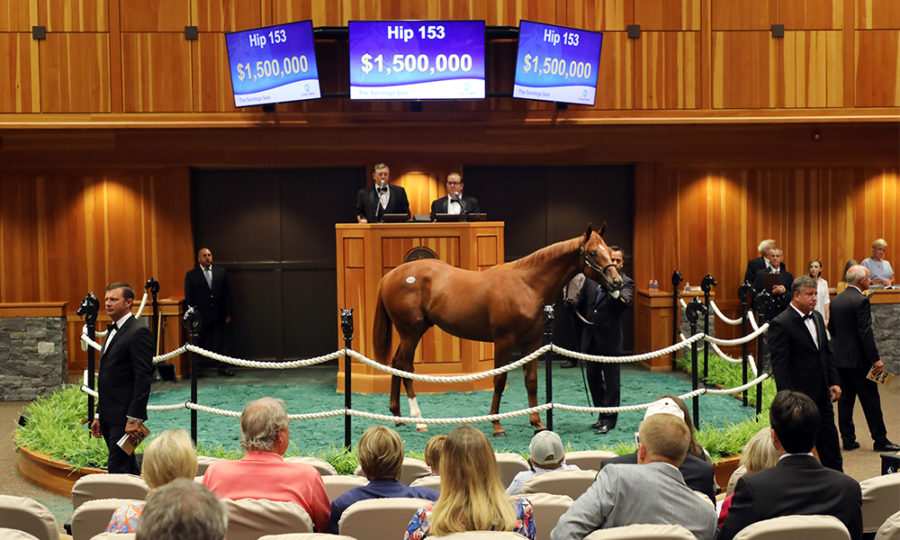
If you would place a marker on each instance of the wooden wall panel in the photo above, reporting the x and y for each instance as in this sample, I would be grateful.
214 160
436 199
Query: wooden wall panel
211 75
74 15
20 91
322 12
156 72
667 70
743 70
615 85
156 16
743 14
877 68
226 15
813 69
75 73
877 14
17 16
667 14
811 14
600 15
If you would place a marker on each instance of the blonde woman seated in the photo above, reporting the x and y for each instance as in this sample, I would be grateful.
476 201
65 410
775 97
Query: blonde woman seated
169 456
472 496
759 454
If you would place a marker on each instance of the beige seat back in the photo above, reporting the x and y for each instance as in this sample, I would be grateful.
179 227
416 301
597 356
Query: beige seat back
890 529
248 519
411 470
114 536
430 481
510 465
324 468
642 532
794 527
28 515
548 508
15 534
880 499
108 486
571 482
203 462
733 479
306 536
481 535
589 459
92 517
379 519
335 486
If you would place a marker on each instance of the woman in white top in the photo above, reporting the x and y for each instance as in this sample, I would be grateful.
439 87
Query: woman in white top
814 269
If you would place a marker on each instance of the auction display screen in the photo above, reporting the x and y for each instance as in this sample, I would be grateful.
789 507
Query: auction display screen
555 63
416 59
273 64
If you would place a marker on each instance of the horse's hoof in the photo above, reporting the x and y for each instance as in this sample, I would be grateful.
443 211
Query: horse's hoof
500 434
421 427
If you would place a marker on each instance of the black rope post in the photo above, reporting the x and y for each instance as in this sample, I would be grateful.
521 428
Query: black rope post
764 304
88 309
153 286
744 293
706 286
694 311
191 321
676 314
548 357
347 330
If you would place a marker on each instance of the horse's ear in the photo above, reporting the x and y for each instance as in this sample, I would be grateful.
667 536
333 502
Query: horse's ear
587 233
602 228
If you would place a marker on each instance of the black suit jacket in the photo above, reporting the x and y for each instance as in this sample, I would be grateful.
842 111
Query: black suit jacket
469 206
126 370
781 300
755 265
797 485
796 361
605 336
698 474
367 204
213 304
852 338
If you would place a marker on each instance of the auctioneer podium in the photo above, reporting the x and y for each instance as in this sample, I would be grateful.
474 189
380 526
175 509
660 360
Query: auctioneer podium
365 252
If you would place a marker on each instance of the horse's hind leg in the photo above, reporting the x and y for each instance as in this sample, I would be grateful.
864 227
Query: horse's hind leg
403 360
530 371
502 355
413 404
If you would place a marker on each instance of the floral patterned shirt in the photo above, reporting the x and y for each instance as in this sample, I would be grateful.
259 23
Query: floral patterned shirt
125 519
419 526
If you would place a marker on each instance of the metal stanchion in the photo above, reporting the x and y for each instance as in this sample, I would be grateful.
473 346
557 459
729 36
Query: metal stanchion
88 309
153 286
706 286
347 330
744 293
548 360
694 311
191 321
676 313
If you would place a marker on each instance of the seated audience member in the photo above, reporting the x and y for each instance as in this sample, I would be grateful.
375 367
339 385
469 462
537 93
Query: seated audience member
651 492
455 202
759 454
546 455
262 473
879 267
842 284
433 449
380 454
169 456
183 509
798 484
698 473
472 496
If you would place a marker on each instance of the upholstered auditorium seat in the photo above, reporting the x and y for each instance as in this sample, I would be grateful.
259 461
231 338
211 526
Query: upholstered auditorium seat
642 532
324 468
114 536
335 486
794 527
306 536
92 517
890 529
481 535
510 465
412 469
430 481
570 482
15 534
589 459
248 519
108 486
28 515
547 510
379 519
880 499
203 462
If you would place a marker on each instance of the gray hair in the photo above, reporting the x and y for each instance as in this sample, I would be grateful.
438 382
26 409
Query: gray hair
260 422
765 245
879 243
856 274
802 282
183 509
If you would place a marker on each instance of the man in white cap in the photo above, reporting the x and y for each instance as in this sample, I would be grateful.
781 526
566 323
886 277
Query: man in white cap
699 475
547 455
651 492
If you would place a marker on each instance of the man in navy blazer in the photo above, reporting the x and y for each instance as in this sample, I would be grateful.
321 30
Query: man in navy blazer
798 484
383 198
802 361
206 288
455 202
126 370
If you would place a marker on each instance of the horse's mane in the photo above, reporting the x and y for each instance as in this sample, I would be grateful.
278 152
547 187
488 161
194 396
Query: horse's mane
547 253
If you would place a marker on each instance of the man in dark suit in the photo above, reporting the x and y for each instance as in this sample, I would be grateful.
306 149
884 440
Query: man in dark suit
126 370
382 198
855 354
206 288
798 485
759 263
782 283
802 361
455 202
602 335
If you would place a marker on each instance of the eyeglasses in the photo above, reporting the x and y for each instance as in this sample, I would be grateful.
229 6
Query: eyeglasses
453 183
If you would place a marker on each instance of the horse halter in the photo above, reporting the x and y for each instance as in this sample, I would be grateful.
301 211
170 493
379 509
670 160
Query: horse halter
599 269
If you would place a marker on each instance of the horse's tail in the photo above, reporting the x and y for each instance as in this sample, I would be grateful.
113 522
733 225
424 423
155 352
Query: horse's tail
381 332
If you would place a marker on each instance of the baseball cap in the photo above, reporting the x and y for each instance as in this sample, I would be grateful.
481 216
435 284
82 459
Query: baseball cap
546 448
664 406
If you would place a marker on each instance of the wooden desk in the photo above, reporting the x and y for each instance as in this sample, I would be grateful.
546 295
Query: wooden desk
653 325
366 252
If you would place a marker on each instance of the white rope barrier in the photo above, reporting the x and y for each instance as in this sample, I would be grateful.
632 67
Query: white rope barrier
719 314
625 359
683 303
737 389
265 365
739 341
752 321
448 378
731 360
143 303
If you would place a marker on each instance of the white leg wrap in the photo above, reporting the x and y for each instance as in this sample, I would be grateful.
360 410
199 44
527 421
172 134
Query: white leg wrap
416 413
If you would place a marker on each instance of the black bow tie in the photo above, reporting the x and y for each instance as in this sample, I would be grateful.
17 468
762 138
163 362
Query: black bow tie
381 190
455 200
111 326
807 316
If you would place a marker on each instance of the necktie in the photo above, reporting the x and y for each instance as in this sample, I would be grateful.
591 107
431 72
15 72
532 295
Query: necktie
208 275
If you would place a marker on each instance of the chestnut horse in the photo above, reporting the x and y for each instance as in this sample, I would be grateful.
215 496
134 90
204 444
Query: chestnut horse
503 304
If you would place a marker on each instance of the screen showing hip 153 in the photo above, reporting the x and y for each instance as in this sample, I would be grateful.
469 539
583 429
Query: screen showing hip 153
555 63
273 64
416 60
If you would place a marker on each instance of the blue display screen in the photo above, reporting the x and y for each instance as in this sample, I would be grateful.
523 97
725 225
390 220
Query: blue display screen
273 64
416 59
555 63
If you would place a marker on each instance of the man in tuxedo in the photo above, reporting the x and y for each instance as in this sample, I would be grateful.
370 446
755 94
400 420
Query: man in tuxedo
602 335
455 202
798 484
779 290
855 354
206 288
759 263
802 362
382 198
126 370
